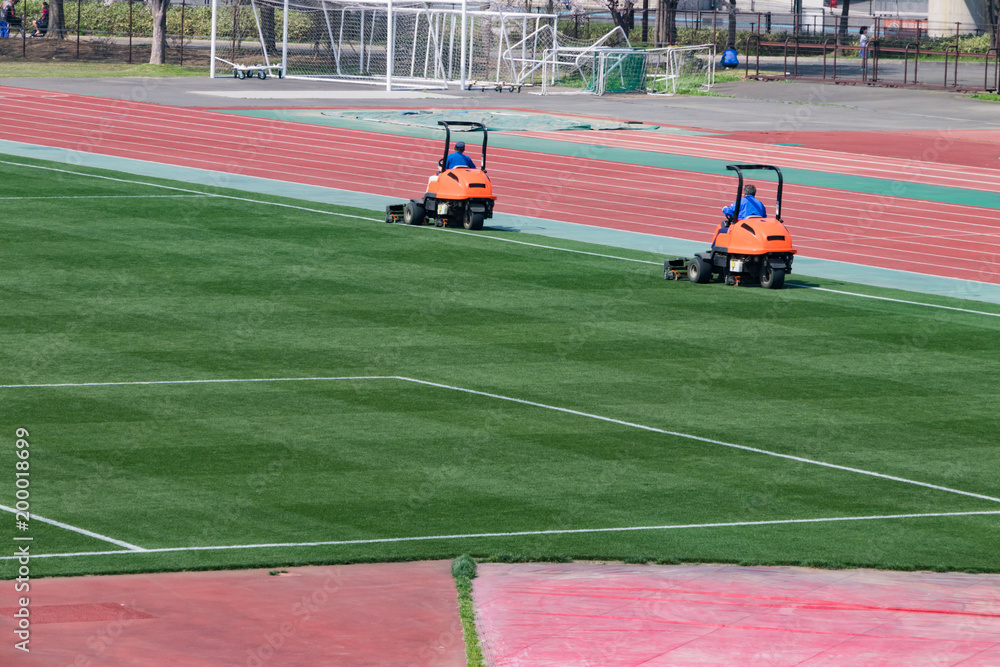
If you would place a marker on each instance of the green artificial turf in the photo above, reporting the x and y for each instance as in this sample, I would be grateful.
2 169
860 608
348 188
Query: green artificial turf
123 284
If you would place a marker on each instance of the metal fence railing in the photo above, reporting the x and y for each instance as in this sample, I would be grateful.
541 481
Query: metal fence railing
815 45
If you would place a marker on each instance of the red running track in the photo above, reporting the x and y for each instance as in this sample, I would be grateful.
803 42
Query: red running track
578 615
954 240
343 615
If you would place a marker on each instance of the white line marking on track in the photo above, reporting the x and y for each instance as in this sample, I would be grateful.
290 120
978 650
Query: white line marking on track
521 533
82 531
522 401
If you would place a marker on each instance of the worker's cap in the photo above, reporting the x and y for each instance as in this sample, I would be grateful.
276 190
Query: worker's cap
459 146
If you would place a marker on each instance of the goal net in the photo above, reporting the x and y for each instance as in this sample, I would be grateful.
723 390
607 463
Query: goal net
680 69
402 43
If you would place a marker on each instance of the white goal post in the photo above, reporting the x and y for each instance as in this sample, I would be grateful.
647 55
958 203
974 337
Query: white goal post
398 43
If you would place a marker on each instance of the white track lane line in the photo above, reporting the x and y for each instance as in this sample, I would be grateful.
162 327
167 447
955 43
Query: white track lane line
82 531
545 406
522 533
454 231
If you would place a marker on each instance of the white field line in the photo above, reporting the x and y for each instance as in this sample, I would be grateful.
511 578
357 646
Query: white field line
644 261
222 381
196 192
522 401
885 298
82 531
688 436
455 231
521 533
127 197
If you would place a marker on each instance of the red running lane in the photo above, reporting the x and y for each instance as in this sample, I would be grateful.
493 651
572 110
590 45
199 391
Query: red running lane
959 241
970 148
579 614
920 167
344 615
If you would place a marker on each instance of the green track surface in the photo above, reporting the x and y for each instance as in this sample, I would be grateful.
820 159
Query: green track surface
118 286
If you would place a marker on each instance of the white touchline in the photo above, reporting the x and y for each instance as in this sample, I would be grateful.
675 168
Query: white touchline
82 531
455 231
196 192
885 298
547 247
522 401
155 382
113 197
520 533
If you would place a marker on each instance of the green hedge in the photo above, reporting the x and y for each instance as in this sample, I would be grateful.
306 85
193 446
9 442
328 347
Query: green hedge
97 18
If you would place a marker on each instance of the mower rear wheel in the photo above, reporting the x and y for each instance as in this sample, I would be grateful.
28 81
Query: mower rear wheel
771 278
699 271
413 214
472 220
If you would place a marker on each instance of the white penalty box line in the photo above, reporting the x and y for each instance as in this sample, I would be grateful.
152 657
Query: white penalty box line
511 399
521 533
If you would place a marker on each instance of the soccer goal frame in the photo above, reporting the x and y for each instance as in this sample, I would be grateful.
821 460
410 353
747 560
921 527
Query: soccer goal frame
680 68
398 43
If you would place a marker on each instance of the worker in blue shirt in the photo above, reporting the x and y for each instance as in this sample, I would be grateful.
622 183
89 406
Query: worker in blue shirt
459 158
750 206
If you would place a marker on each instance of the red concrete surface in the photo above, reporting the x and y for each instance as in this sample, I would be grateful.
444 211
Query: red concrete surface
577 614
390 614
971 148
894 232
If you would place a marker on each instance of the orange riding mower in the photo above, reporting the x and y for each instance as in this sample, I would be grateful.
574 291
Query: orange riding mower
460 196
752 251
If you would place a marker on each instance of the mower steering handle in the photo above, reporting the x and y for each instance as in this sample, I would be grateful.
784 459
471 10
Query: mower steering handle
738 168
463 123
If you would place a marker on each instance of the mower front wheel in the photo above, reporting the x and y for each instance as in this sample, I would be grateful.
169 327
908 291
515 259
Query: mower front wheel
772 278
472 220
699 271
413 214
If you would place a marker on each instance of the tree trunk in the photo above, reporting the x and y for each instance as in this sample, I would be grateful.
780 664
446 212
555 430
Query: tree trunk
731 35
267 27
842 33
57 20
666 22
158 8
622 13
993 18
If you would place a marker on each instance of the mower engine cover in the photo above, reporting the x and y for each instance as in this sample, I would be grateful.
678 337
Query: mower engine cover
461 183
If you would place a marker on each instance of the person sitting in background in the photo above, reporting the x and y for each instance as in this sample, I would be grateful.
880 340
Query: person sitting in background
730 59
41 24
750 206
459 158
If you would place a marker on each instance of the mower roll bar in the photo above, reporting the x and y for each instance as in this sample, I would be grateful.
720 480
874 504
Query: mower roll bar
738 168
447 138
